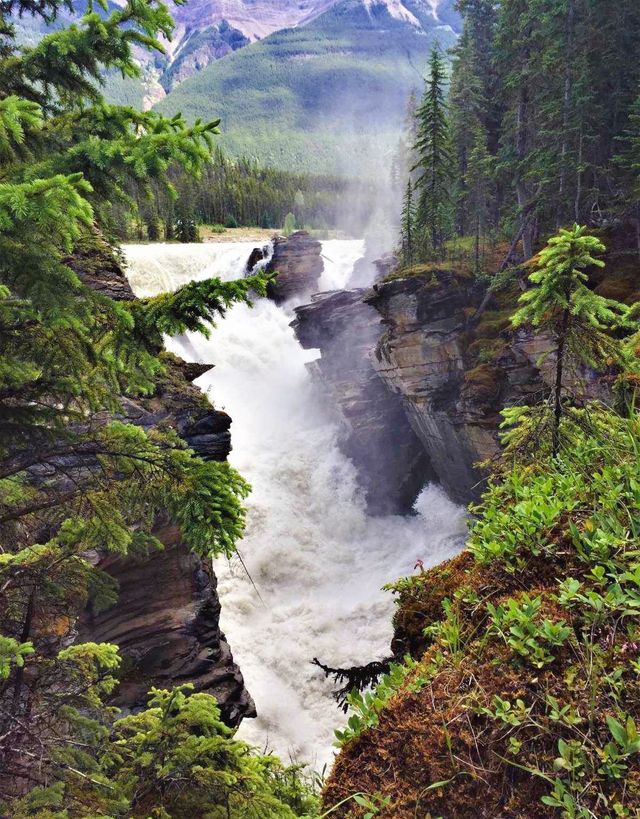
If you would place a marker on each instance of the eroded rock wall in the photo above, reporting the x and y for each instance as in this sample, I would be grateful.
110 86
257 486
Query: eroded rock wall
166 618
425 356
167 625
298 262
391 462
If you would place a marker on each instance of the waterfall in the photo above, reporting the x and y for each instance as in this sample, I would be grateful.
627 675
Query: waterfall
317 560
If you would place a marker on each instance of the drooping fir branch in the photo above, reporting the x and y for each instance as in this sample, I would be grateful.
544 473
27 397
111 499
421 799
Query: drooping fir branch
70 63
358 677
193 307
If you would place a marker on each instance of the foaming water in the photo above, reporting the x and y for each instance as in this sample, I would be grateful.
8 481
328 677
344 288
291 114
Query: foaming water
317 560
159 268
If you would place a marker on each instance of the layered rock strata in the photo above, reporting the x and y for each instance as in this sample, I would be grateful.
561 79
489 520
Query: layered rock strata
419 377
429 356
391 462
166 618
167 625
298 262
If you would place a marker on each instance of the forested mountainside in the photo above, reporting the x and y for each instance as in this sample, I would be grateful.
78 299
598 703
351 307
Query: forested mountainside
299 96
240 192
327 96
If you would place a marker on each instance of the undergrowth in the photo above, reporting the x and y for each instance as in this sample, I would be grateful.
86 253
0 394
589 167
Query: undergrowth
523 695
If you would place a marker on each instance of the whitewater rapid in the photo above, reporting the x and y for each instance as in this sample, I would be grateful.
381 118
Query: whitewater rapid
317 560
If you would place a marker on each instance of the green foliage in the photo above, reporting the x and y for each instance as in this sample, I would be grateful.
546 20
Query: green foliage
186 229
579 321
541 136
517 622
77 482
194 307
408 227
366 707
434 208
289 224
141 762
561 284
12 653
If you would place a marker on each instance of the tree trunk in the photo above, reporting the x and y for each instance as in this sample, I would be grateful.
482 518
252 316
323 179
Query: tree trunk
26 633
578 201
521 190
566 106
557 414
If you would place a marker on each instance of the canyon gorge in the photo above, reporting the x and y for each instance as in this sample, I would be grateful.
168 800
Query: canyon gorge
353 409
318 547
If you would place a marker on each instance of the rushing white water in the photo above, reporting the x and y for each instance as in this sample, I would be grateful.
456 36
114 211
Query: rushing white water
317 560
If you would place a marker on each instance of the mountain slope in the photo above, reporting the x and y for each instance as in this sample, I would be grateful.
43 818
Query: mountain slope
254 18
257 19
328 96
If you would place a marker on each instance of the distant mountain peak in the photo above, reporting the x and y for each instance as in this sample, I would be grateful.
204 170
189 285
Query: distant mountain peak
258 18
396 9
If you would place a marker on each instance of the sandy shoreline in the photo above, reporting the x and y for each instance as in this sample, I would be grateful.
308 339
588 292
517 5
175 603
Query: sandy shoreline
243 234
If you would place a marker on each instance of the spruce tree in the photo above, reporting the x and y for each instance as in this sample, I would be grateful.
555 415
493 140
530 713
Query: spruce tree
562 305
434 210
628 161
466 105
76 479
479 187
407 228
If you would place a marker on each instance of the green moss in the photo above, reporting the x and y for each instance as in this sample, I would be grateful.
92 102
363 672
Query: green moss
527 699
434 272
419 603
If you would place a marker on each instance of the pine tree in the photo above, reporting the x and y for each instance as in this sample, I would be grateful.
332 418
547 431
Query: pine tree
72 481
577 319
289 224
466 104
434 211
479 187
628 160
407 229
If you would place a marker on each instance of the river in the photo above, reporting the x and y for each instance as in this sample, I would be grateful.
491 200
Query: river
317 560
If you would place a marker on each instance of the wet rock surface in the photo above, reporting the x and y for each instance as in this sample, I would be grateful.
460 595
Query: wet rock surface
391 462
298 262
166 618
453 403
167 625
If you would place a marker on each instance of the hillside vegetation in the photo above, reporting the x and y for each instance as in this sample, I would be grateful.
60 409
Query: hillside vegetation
521 694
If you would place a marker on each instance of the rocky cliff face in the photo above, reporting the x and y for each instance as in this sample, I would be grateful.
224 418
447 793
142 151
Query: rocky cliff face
392 465
432 356
419 379
298 262
198 48
258 18
453 372
167 625
166 619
